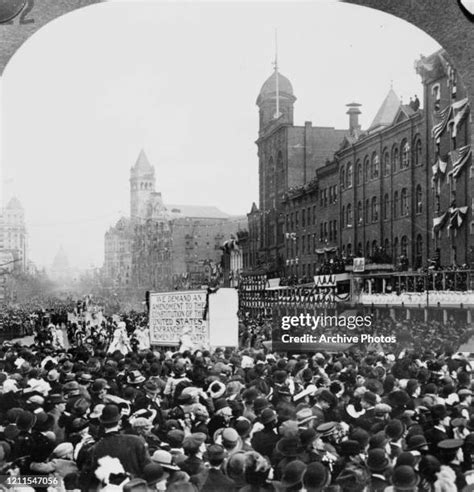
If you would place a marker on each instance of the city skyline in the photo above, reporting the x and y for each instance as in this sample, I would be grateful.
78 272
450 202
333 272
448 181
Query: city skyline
191 108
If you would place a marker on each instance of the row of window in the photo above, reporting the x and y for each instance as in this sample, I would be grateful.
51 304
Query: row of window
400 247
309 243
398 159
328 196
370 213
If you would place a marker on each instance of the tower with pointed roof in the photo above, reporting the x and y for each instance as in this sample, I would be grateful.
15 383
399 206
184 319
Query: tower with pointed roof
142 186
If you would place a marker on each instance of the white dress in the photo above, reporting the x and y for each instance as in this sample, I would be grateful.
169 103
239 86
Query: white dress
120 342
143 337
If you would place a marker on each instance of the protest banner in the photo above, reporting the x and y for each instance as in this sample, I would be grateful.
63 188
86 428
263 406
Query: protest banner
171 313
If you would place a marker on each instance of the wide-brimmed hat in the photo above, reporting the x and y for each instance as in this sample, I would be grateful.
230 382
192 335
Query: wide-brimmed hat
216 389
110 414
165 459
404 477
416 442
289 446
293 473
151 387
135 377
231 439
305 415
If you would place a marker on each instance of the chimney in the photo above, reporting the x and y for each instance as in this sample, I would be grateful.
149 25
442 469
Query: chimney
354 113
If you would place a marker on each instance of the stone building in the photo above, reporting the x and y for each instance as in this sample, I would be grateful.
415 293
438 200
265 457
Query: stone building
163 247
13 236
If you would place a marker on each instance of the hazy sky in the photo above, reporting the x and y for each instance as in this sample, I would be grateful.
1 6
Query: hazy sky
89 90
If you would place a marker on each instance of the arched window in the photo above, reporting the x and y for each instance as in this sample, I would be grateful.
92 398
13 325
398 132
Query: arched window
367 211
386 246
360 217
280 175
395 204
349 249
374 247
386 206
271 176
343 178
349 175
404 202
418 153
419 251
404 246
343 218
419 200
375 212
405 153
367 248
386 163
395 249
359 251
395 159
366 169
374 166
349 215
359 173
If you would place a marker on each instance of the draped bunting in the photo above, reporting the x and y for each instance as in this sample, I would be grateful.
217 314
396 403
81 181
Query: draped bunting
439 222
457 217
441 119
460 110
458 158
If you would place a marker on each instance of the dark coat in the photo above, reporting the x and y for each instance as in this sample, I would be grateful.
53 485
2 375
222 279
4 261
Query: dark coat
213 480
130 450
264 442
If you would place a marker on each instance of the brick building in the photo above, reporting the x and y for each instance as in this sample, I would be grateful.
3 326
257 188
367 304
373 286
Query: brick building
289 156
400 192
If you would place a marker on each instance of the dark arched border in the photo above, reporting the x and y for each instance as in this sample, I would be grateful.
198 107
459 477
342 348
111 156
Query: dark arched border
444 21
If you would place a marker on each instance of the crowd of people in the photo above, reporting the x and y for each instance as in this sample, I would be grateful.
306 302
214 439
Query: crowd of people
102 410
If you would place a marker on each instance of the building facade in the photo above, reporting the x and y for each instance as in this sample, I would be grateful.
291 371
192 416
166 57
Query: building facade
288 157
13 236
162 247
400 192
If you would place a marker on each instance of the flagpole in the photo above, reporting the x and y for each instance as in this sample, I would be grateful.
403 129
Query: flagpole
277 88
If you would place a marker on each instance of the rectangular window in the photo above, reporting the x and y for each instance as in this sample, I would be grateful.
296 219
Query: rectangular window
335 230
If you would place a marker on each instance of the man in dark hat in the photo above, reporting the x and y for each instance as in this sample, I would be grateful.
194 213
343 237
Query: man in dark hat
451 454
379 466
213 478
324 400
149 399
264 441
194 448
440 430
368 418
130 450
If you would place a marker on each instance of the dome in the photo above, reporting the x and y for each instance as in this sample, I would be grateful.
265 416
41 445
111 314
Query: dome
14 204
269 87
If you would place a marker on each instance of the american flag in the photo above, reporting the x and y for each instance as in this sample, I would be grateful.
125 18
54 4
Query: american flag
458 158
441 118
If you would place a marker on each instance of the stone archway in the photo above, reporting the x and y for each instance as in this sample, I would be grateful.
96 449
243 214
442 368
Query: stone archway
444 21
